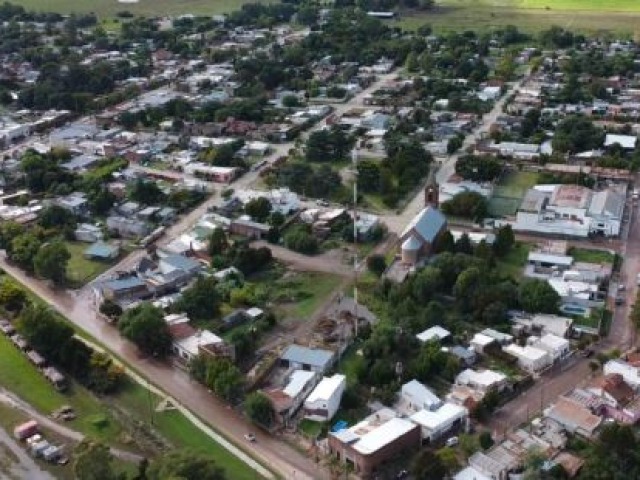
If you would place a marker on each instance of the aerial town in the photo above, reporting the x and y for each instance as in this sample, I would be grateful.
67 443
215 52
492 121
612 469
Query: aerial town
318 241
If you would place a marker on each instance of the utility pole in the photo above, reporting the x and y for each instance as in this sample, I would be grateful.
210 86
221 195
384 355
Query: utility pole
354 157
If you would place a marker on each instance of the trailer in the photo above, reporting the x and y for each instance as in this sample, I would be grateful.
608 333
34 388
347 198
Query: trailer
26 430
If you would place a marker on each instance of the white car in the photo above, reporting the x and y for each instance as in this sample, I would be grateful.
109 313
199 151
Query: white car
250 437
452 442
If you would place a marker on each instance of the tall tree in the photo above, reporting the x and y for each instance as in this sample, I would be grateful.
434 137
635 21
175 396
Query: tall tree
93 461
51 262
218 242
259 409
144 325
185 465
201 301
258 209
537 295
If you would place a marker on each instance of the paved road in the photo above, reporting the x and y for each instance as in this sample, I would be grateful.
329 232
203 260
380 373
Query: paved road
397 222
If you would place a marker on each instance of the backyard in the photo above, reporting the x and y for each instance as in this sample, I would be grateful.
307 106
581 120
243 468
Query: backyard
509 192
81 270
512 264
591 256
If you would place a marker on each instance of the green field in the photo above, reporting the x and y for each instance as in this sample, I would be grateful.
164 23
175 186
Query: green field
108 8
591 256
508 194
19 376
620 16
79 269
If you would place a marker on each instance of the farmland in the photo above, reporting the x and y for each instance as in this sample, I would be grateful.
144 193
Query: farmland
620 16
108 8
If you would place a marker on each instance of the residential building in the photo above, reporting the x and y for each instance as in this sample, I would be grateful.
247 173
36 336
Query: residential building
127 227
483 380
558 348
414 396
573 417
305 358
323 402
249 229
127 289
85 232
531 359
434 333
102 251
174 262
419 236
435 424
629 373
467 356
380 437
287 400
76 203
480 342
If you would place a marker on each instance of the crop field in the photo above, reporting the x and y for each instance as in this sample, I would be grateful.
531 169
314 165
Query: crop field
108 8
619 16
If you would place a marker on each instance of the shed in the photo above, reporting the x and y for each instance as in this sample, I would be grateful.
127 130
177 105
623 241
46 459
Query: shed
102 251
305 358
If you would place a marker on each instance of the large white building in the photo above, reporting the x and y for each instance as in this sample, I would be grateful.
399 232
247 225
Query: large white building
323 402
529 358
571 210
629 373
481 380
434 424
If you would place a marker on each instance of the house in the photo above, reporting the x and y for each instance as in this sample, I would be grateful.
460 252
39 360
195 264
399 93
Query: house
174 262
323 402
249 229
75 203
287 400
483 380
189 347
501 338
467 356
557 347
434 333
414 396
380 437
102 251
573 417
612 390
127 227
480 342
85 232
531 359
629 373
435 424
305 358
128 288
627 142
210 172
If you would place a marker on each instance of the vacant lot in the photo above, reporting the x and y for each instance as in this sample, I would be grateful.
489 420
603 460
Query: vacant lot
108 8
80 270
510 191
620 16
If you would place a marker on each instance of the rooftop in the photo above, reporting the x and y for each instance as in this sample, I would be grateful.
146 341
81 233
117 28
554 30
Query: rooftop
434 420
309 356
436 332
571 196
427 224
327 387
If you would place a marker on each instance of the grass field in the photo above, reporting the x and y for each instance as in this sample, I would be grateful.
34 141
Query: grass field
22 378
591 256
509 193
79 269
310 290
619 16
108 8
177 429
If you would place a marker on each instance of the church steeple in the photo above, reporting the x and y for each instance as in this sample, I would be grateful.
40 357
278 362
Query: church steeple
432 190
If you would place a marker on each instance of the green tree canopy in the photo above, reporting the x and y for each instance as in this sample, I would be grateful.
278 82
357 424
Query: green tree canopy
259 409
537 296
93 461
51 262
185 465
201 301
144 325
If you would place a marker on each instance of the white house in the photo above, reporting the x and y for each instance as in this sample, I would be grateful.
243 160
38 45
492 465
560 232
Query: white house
481 380
323 402
557 347
529 358
433 333
630 373
189 347
435 424
628 142
480 341
415 396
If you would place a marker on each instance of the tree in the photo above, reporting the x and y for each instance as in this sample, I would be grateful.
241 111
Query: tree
51 262
44 331
12 297
146 192
144 325
537 296
24 249
426 465
184 465
577 134
110 309
258 209
259 409
466 204
486 442
201 301
58 218
218 242
93 461
478 169
444 243
376 264
464 245
300 240
504 240
104 375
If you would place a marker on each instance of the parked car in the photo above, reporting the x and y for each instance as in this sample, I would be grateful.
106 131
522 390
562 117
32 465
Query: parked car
250 437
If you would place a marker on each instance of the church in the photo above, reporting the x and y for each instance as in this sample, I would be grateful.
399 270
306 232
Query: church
417 239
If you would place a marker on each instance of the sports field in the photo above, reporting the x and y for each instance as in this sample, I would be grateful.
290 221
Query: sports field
108 8
619 16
